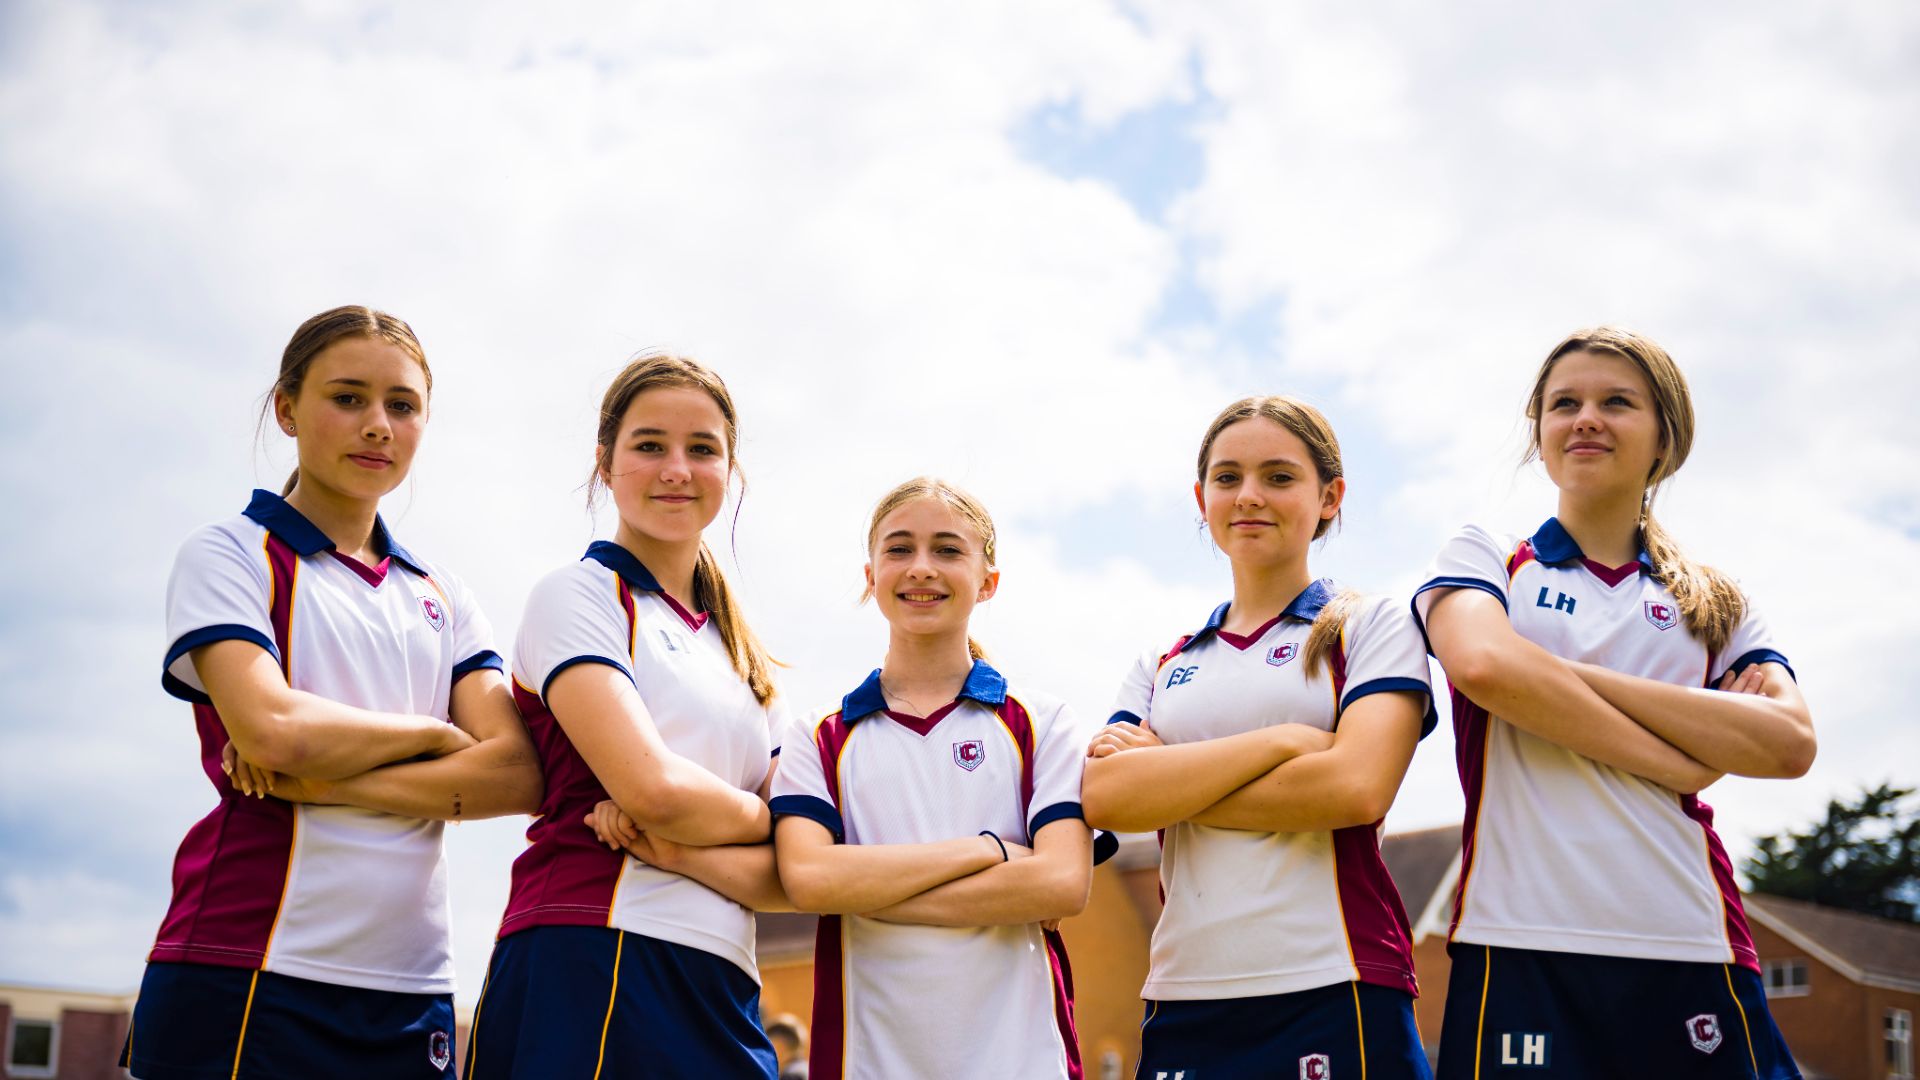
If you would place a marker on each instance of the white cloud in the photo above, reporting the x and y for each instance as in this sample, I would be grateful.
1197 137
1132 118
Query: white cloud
826 206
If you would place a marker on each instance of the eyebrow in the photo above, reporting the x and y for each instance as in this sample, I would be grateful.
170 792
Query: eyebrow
1628 390
1269 463
364 384
639 431
908 534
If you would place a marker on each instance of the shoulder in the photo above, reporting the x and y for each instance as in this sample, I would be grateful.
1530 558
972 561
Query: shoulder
573 585
1380 618
1042 707
223 542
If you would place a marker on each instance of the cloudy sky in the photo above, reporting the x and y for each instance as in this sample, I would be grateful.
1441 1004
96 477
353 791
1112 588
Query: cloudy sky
1031 247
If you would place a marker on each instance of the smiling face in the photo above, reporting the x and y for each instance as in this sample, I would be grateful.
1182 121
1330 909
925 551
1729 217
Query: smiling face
1262 498
668 466
928 568
1599 432
358 416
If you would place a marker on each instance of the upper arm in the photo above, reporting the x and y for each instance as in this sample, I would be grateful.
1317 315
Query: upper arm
482 706
605 720
1134 702
1375 744
243 682
796 837
219 591
798 788
1467 629
1472 561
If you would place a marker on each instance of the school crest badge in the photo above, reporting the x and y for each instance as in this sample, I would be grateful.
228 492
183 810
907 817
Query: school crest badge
1662 616
1278 657
1704 1032
1316 1067
439 1050
436 615
969 754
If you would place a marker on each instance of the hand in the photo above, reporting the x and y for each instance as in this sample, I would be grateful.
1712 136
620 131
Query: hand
1122 736
452 740
657 852
1749 681
246 777
611 825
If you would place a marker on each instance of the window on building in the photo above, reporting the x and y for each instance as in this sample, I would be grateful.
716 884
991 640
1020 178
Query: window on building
1899 1028
30 1047
1785 978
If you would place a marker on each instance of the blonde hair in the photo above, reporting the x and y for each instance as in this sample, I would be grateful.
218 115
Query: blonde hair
1310 426
1709 601
710 590
971 510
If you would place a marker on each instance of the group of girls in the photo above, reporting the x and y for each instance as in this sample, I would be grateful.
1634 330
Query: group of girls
940 818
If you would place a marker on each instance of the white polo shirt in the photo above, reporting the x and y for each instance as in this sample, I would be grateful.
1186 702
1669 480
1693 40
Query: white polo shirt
1562 853
609 609
336 894
895 1000
1250 914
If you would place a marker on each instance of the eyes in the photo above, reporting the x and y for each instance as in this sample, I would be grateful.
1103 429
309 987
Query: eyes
655 446
940 551
1227 478
347 399
1567 402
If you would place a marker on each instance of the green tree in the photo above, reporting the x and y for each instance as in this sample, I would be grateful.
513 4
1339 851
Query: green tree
1864 857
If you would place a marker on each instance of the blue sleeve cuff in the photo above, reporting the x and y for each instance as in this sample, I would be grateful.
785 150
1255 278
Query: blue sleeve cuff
1395 683
477 662
1105 846
776 753
586 659
1051 814
1762 656
207 635
811 808
1125 717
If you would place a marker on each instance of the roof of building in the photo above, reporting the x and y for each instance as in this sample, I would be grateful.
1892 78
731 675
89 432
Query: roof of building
1865 948
1420 862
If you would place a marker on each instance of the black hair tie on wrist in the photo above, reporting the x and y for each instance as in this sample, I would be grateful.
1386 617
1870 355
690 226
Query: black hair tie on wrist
997 840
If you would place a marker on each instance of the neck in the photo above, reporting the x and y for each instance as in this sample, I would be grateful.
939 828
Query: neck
671 562
925 670
347 521
1607 529
1261 592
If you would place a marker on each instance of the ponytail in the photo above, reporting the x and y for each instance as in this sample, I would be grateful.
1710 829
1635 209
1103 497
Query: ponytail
750 659
975 649
1328 626
1710 603
292 479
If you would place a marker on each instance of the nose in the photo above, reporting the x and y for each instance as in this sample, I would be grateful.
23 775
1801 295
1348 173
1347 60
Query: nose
921 568
1248 496
1588 418
379 427
673 469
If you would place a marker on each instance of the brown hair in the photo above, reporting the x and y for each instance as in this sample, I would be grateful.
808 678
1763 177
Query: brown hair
971 510
1310 426
313 337
1709 601
710 590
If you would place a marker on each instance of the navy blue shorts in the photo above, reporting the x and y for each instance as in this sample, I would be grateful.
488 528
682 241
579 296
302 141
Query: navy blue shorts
1336 1031
557 1004
1522 1012
201 1022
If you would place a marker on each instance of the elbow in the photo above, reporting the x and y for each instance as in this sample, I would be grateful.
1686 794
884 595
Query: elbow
271 746
806 887
1361 803
527 789
1102 803
662 804
1475 672
1070 893
1796 757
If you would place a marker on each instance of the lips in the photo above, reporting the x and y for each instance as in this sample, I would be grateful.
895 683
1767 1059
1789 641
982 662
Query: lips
921 597
370 461
1587 449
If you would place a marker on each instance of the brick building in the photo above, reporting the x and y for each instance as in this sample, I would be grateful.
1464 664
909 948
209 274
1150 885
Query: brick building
61 1034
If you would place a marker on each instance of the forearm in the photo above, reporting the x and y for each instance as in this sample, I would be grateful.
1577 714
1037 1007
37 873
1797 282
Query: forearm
1743 734
689 805
845 879
743 873
493 779
316 738
1011 894
1152 787
1540 694
1310 793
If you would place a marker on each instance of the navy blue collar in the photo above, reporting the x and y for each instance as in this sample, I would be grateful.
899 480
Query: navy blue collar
984 685
1305 607
622 562
1554 545
277 516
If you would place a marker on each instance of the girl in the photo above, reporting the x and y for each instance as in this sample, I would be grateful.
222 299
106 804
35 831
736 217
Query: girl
1267 746
643 685
1597 928
308 930
934 820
